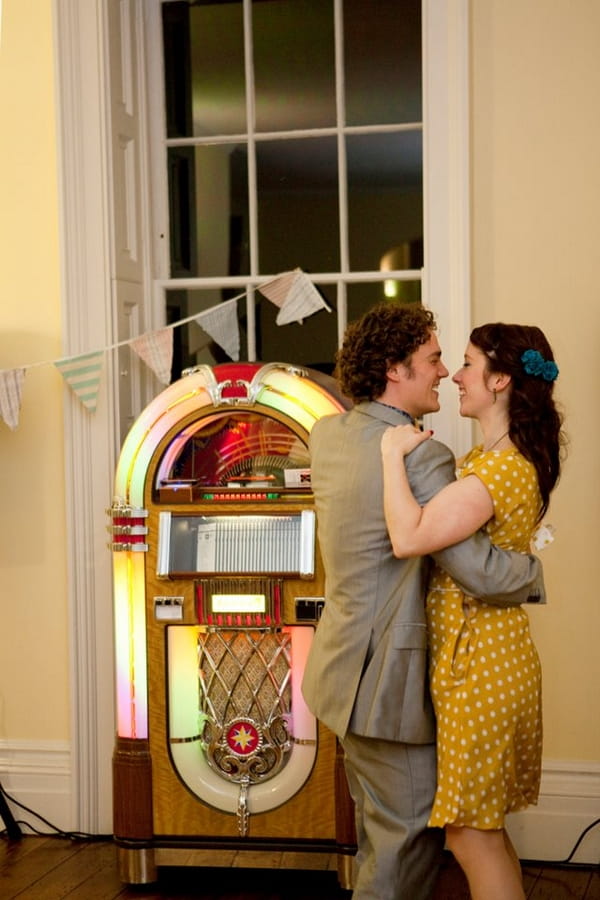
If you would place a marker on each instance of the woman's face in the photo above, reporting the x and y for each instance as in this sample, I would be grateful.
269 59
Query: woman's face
475 390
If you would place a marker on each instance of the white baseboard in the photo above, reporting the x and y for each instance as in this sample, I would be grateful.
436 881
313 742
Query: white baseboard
38 775
569 802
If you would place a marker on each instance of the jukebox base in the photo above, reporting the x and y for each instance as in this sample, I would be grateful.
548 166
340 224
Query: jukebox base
141 865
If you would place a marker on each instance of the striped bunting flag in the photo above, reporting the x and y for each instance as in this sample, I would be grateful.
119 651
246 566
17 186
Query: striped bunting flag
156 350
11 385
295 294
82 374
221 324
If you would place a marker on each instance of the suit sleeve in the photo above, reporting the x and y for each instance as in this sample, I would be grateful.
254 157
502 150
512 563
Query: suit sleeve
500 577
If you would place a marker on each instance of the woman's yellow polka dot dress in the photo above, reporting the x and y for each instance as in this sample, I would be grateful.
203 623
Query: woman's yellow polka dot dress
485 671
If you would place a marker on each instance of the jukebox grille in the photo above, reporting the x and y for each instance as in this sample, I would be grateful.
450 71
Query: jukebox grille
244 673
245 701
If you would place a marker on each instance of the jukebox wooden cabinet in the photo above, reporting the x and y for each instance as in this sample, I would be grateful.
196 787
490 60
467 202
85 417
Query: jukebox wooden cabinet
218 587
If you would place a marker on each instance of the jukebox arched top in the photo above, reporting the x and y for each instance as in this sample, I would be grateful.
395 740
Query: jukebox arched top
235 424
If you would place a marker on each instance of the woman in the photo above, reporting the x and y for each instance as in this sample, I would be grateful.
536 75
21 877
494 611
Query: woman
485 671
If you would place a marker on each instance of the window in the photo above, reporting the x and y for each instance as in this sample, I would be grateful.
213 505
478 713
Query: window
116 275
293 138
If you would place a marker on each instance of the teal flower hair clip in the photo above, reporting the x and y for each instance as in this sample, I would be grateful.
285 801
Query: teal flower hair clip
535 364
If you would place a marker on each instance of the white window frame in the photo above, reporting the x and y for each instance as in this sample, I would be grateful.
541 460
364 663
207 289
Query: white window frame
89 316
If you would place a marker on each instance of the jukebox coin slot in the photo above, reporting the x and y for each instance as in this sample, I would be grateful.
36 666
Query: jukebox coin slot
309 609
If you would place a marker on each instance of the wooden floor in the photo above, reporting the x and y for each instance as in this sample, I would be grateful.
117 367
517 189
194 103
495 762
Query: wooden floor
40 868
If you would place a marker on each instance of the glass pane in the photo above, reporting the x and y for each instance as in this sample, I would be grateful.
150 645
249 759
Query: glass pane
298 205
294 64
385 196
382 61
312 343
361 297
204 68
192 345
208 207
239 446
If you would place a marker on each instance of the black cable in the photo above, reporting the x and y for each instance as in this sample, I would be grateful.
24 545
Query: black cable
579 840
58 832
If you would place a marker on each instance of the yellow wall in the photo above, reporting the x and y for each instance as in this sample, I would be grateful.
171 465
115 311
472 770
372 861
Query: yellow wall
536 209
536 227
33 629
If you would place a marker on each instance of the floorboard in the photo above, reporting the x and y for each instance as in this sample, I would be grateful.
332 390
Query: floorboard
47 868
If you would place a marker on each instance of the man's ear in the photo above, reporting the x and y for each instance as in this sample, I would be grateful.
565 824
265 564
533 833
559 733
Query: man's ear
394 372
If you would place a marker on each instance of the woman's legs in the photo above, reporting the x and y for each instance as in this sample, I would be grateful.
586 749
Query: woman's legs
489 861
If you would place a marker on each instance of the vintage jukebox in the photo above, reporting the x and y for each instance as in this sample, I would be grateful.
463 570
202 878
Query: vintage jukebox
218 587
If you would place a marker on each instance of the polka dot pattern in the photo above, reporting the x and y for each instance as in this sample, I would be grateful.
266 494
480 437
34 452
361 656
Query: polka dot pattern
485 670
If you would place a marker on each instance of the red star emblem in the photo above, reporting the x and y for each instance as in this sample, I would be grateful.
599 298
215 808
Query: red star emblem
242 738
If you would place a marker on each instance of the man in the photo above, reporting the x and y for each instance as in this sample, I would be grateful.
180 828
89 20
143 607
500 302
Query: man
366 676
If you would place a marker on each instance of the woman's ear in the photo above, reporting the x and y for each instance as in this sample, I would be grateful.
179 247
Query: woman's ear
500 381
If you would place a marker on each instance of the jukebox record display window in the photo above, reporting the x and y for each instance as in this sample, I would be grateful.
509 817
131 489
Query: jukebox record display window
234 451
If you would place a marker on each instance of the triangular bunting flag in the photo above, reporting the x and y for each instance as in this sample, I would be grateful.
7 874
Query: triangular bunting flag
156 349
278 288
11 385
295 293
221 323
82 374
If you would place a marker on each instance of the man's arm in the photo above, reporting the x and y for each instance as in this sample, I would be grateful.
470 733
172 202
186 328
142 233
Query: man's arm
500 577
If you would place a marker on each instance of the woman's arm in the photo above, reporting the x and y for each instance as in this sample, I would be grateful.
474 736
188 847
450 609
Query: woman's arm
454 514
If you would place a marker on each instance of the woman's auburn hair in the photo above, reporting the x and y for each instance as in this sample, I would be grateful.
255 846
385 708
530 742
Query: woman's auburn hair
535 423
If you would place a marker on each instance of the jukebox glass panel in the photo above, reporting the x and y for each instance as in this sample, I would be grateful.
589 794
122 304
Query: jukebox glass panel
234 450
238 543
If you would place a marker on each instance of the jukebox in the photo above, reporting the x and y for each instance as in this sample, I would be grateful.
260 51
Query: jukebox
218 587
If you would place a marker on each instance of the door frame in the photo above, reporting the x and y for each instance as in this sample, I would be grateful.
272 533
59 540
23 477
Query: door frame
90 321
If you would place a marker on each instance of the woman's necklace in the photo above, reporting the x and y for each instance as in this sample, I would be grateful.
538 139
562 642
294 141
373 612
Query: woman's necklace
497 441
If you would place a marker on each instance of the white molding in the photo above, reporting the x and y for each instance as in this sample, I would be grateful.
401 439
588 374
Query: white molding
90 441
569 802
446 197
39 775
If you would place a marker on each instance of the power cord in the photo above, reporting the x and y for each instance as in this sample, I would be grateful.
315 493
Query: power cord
578 842
56 832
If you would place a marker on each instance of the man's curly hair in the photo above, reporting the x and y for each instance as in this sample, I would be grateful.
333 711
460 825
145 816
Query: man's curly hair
385 335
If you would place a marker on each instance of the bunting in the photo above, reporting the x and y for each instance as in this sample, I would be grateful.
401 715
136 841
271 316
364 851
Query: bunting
156 350
293 292
82 374
11 387
296 296
221 324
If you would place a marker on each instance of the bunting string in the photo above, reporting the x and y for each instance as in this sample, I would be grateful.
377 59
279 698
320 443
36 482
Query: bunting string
293 292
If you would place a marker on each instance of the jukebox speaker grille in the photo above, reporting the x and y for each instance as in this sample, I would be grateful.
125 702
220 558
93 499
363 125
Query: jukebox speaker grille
245 701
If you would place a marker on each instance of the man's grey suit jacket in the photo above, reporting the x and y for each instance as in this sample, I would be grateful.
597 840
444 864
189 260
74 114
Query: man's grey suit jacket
367 668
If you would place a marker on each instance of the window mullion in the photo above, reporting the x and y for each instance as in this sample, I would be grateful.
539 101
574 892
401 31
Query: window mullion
252 186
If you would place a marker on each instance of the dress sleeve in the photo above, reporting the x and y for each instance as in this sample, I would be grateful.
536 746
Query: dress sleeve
501 577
